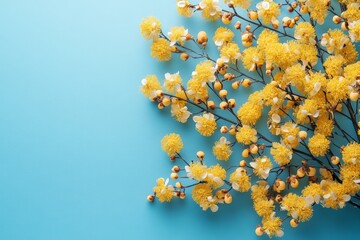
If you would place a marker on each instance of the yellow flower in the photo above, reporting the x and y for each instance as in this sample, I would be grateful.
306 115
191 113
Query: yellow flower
205 124
259 191
272 95
289 132
240 181
334 40
246 135
172 82
349 53
184 8
215 176
310 107
161 50
272 226
312 193
172 144
210 9
314 83
261 166
177 34
162 191
149 86
251 111
318 9
352 71
230 52
222 149
197 90
334 194
222 36
354 31
268 10
278 54
337 90
266 37
202 195
252 58
196 171
281 153
180 113
350 175
264 207
297 207
308 54
318 145
352 12
305 33
205 72
333 65
245 4
324 124
150 28
351 153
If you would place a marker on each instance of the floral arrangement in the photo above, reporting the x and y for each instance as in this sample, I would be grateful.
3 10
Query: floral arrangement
307 83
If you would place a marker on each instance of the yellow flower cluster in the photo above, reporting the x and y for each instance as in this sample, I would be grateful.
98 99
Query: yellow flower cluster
303 85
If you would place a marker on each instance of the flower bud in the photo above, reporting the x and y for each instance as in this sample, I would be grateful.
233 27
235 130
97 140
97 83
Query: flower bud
246 82
200 155
224 105
218 85
253 15
228 198
184 56
354 96
245 153
259 231
224 129
211 105
300 172
166 101
336 19
175 169
311 172
150 198
178 185
223 93
235 85
294 223
226 18
254 148
286 21
335 160
237 25
174 175
302 135
182 195
242 163
202 38
232 103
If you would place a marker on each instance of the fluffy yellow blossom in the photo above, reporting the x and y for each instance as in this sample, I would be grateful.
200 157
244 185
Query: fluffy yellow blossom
215 176
205 124
289 132
161 50
172 144
222 149
230 52
295 75
261 166
265 38
351 153
268 10
278 54
272 226
210 9
240 181
318 9
264 207
334 194
324 124
310 107
272 95
259 191
352 12
173 82
334 65
196 171
202 195
180 112
222 36
245 4
246 135
252 58
318 145
205 72
281 153
162 191
350 175
197 90
305 33
177 34
308 54
312 193
314 82
354 31
297 207
334 40
337 89
150 28
352 72
349 53
251 111
149 86
184 8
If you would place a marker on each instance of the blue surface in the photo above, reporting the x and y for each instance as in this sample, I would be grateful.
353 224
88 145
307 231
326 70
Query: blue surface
80 146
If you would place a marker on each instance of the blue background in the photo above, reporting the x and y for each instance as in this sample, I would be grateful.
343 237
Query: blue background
80 146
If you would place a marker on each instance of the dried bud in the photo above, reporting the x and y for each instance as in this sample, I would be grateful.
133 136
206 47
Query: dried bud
224 129
237 25
150 198
175 169
294 223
